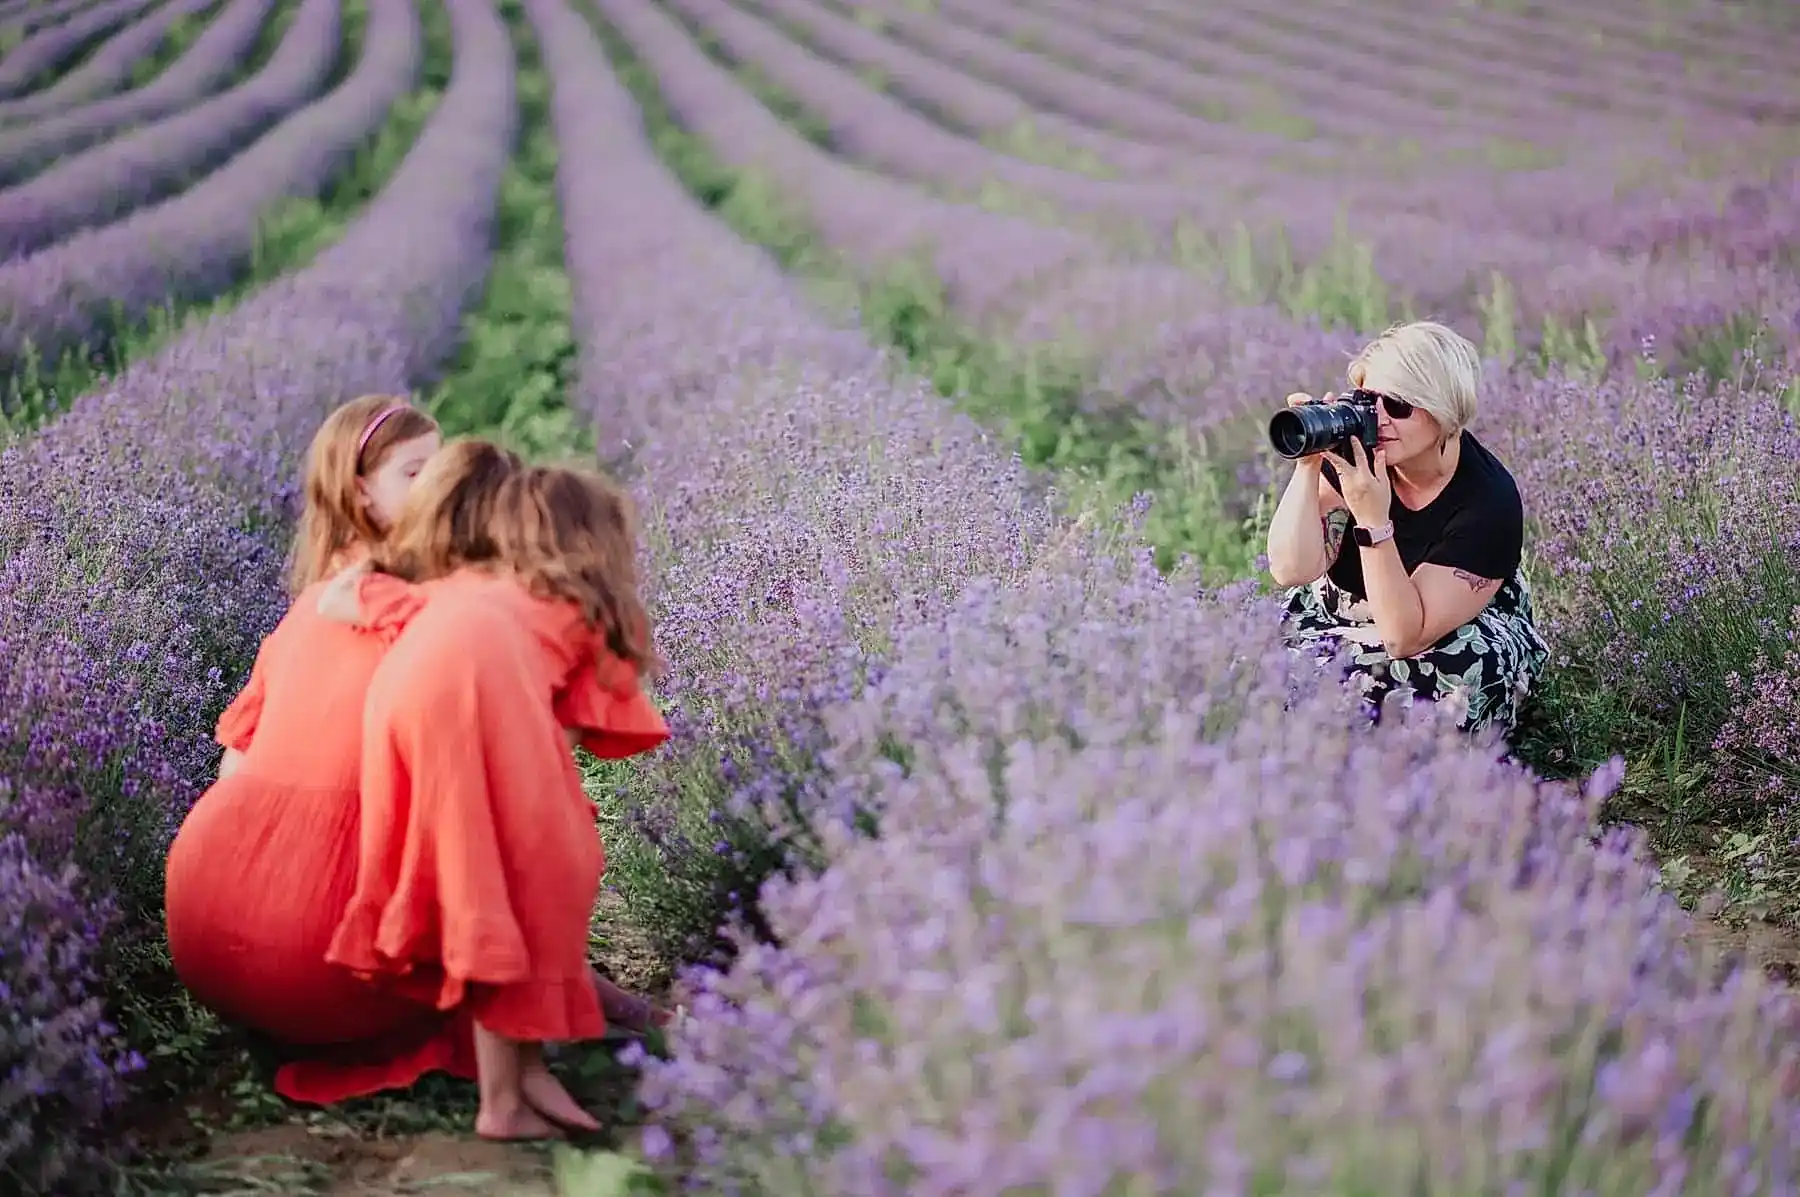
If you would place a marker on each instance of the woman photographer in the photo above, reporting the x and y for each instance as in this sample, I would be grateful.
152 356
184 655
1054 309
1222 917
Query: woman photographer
1411 554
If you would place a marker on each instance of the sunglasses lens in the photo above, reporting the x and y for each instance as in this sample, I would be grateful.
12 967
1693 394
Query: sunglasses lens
1399 409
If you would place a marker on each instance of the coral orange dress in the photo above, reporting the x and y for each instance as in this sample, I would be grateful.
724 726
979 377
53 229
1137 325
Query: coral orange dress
263 866
479 863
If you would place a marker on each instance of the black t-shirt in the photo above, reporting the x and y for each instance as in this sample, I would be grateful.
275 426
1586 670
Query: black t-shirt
1477 523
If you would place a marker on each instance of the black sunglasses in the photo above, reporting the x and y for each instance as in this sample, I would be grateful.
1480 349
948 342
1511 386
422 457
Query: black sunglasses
1398 409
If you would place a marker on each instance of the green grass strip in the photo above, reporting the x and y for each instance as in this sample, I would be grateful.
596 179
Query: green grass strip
176 42
513 377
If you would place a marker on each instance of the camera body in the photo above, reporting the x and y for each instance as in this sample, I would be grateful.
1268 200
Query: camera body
1327 427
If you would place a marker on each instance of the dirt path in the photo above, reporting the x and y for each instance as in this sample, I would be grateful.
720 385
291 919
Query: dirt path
324 1162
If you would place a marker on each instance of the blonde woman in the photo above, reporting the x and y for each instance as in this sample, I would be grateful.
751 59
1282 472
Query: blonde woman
1411 554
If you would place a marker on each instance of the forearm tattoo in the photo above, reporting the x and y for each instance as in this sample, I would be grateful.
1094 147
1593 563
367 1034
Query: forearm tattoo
1337 526
1476 582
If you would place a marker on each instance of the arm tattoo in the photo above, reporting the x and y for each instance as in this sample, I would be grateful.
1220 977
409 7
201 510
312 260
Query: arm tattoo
1476 582
1337 526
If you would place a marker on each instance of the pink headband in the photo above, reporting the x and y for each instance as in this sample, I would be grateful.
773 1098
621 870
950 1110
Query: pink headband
377 422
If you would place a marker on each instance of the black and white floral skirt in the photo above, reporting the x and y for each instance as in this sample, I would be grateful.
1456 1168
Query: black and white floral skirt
1489 664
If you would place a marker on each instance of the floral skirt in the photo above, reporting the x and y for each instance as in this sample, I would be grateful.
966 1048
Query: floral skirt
1488 664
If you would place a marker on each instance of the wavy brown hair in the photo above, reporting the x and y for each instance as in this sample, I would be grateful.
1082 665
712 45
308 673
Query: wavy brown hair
447 522
334 519
563 533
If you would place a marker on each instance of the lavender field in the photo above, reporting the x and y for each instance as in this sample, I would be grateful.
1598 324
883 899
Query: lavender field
1001 848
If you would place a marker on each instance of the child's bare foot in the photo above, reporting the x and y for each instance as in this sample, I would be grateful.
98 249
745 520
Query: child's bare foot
510 1122
548 1097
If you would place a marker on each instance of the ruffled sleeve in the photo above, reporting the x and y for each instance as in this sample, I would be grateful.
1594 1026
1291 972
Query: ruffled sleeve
237 724
388 604
603 702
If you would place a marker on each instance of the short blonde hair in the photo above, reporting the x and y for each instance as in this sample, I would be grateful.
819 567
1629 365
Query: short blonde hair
1433 367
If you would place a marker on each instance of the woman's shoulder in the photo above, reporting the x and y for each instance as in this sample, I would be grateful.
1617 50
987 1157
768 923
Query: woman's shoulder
1487 481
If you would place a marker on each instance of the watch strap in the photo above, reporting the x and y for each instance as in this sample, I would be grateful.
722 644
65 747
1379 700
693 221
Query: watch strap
1370 537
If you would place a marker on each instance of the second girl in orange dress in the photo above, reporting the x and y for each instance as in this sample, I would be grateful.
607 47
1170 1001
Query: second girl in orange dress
480 863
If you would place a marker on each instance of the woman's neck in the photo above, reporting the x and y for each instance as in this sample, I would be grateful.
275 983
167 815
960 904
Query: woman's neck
1427 474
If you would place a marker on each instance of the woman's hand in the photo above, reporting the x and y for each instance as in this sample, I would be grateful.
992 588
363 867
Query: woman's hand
1368 490
340 600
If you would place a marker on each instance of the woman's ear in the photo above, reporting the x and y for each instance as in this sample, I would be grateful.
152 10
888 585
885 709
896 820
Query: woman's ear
363 498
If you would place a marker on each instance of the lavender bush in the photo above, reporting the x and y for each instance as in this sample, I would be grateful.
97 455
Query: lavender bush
1153 908
1666 544
62 1061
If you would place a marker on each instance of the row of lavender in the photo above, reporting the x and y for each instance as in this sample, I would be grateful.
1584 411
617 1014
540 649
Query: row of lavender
1123 927
141 537
1439 242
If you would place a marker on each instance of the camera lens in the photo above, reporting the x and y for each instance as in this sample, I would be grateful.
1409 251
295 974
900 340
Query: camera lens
1311 428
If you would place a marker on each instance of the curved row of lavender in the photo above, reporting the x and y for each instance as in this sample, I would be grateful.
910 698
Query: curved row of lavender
1671 49
216 55
721 316
141 541
194 245
980 107
872 127
109 67
1230 95
1417 79
1001 273
29 17
1432 260
1172 344
1558 236
1195 952
51 47
1526 55
1571 198
1219 171
102 184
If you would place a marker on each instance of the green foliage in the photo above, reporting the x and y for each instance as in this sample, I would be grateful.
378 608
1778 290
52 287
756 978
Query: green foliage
174 44
512 378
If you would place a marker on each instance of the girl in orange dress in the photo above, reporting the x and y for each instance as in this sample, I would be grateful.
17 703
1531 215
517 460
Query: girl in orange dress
264 864
510 601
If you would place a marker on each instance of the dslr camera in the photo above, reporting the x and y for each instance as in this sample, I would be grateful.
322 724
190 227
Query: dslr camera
1321 427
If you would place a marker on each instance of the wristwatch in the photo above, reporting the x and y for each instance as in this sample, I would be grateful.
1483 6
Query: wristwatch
1368 538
